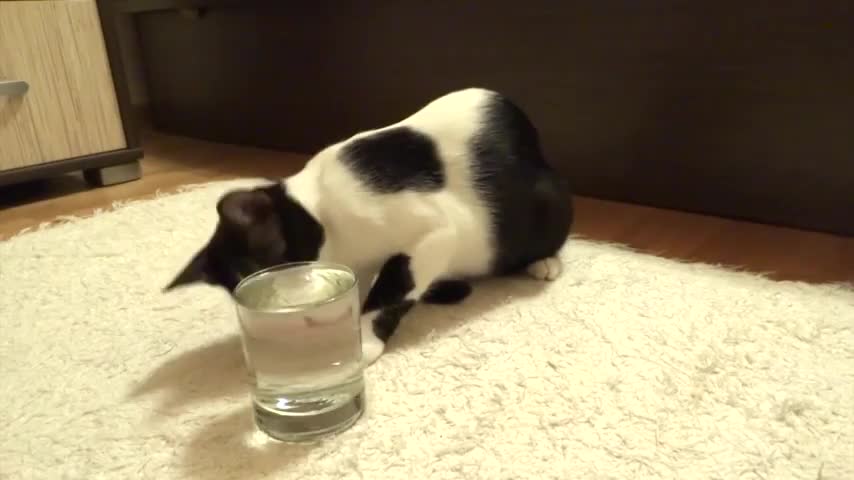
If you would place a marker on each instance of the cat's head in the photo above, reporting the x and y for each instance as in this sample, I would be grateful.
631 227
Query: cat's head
257 229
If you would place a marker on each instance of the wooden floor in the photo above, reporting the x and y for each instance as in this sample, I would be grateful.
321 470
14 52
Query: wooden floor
171 162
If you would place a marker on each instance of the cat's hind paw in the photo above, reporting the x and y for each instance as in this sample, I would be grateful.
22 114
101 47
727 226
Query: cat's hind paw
546 269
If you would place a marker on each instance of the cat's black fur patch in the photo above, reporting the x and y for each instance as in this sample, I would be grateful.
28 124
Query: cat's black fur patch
389 318
389 291
394 160
393 282
531 202
303 233
388 294
447 292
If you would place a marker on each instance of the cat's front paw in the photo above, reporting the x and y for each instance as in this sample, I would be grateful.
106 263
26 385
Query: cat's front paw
372 347
372 351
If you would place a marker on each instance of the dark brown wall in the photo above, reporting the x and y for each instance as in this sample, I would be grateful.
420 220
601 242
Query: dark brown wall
742 109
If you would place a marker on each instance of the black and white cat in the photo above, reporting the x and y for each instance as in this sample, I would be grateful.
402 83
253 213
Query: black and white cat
458 190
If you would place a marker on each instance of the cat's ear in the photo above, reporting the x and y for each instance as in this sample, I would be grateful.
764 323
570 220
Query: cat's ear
244 208
194 272
252 216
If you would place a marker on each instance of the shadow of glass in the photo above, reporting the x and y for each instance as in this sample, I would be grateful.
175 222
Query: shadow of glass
214 370
232 447
217 369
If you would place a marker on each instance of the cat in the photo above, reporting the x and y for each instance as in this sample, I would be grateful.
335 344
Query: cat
458 190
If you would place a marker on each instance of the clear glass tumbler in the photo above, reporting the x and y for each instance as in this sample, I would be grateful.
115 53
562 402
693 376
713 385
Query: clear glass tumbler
303 347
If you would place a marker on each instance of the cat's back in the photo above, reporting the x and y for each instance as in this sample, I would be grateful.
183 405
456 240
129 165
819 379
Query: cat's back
455 116
450 144
422 152
469 160
413 174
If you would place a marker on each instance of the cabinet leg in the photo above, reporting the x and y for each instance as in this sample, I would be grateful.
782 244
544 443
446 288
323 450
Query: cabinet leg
102 177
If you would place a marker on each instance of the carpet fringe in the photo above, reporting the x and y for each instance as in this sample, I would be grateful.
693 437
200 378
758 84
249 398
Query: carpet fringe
114 206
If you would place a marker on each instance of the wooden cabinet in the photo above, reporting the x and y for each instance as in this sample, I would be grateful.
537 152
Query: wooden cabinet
70 112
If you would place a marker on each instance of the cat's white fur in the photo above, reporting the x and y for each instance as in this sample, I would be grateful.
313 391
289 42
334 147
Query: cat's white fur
446 233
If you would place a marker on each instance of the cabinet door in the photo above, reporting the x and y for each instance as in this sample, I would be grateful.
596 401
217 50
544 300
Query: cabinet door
70 108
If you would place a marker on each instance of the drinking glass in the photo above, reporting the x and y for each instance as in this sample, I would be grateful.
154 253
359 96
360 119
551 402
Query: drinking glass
302 344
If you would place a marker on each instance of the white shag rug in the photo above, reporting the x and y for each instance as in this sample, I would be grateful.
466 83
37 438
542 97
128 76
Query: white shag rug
627 367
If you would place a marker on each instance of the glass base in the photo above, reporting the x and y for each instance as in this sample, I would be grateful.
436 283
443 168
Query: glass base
308 428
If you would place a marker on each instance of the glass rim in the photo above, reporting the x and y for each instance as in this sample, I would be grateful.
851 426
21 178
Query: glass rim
297 306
